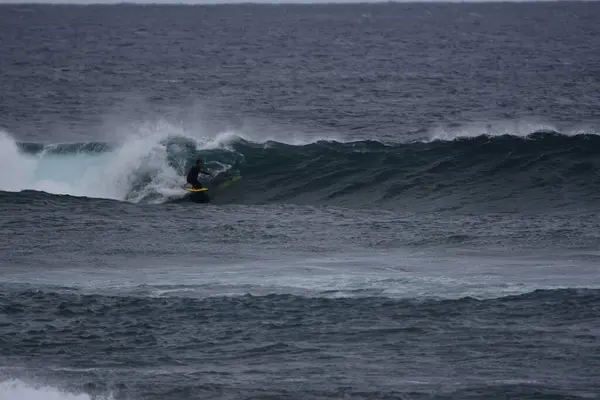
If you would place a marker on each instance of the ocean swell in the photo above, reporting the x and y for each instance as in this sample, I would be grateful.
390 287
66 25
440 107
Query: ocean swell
544 170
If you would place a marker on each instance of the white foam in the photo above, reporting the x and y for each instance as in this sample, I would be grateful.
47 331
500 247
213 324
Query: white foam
109 175
519 128
15 389
257 135
15 168
141 152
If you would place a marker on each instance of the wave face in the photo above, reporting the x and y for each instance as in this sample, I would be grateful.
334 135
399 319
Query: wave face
544 170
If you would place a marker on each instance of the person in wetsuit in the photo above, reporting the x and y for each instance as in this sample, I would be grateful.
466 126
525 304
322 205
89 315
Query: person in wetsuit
192 177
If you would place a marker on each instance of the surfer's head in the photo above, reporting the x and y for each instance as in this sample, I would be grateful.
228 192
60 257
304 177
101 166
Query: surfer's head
199 162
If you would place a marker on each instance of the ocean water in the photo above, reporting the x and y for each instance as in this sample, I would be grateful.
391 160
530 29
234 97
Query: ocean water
405 203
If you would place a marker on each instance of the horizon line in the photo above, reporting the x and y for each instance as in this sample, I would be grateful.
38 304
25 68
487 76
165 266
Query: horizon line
273 2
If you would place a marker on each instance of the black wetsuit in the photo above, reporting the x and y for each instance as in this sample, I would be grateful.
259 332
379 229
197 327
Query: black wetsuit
192 177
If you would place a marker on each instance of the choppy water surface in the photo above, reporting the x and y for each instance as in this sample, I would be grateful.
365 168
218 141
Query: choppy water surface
405 203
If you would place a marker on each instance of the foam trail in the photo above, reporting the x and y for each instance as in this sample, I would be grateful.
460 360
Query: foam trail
102 175
518 128
220 141
15 168
15 389
144 154
110 174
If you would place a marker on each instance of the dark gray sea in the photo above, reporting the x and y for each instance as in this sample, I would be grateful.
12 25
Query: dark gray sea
404 201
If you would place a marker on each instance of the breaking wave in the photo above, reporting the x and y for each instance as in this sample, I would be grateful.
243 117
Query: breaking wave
539 171
148 167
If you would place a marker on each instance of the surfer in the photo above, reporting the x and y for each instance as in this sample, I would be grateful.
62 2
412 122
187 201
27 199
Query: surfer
192 176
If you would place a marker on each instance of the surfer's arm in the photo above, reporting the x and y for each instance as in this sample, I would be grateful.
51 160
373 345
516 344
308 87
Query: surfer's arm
206 172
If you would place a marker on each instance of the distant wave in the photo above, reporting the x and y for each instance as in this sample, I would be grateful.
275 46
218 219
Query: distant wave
542 170
19 298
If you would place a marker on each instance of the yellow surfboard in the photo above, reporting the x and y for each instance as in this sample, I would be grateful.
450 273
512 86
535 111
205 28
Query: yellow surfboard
189 189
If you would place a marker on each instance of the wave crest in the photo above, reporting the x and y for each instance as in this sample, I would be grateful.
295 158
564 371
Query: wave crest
539 171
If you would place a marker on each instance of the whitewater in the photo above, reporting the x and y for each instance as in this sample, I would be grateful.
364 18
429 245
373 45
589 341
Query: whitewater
15 389
149 161
103 171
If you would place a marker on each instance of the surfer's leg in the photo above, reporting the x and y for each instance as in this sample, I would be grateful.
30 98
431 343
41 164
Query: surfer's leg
197 185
